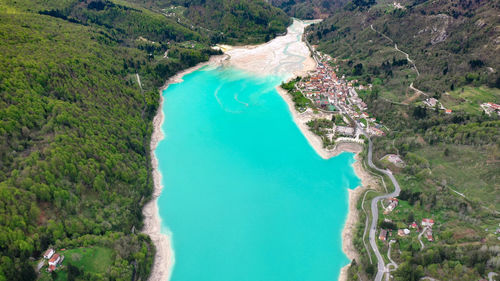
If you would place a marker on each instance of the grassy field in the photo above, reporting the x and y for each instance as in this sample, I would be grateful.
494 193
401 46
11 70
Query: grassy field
469 170
468 99
95 259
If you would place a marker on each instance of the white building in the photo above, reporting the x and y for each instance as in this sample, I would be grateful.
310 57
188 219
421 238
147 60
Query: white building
48 254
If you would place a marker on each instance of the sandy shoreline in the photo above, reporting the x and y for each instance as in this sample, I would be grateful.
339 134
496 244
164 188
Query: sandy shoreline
367 182
164 259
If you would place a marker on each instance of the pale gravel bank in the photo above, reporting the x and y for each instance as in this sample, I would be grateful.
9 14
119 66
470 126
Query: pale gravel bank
164 259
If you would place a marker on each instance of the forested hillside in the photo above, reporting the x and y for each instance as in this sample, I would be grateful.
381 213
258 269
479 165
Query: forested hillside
229 21
75 129
309 9
403 54
451 42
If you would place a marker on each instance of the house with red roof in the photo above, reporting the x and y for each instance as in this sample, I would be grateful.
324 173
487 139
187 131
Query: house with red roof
428 235
427 222
54 261
56 258
383 234
393 203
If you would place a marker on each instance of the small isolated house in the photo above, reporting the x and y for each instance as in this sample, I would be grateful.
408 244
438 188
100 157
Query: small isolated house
427 222
403 232
48 254
383 235
393 203
56 258
429 236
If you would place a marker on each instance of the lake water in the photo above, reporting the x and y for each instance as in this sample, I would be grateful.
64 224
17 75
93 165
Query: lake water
245 196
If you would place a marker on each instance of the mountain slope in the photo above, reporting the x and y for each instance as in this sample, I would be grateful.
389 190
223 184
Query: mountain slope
309 9
75 128
403 54
232 22
449 46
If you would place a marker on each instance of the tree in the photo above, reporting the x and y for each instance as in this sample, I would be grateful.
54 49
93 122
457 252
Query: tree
419 112
410 218
73 272
358 69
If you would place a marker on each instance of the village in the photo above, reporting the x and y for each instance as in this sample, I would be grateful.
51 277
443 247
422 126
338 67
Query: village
337 97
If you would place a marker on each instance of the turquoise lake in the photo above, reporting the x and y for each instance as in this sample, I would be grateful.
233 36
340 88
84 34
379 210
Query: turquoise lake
245 196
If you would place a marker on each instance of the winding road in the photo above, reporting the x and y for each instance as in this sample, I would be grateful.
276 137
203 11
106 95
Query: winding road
381 269
420 237
392 263
366 226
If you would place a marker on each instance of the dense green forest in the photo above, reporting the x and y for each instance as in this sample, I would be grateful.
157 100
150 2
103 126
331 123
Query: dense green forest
75 128
229 21
452 161
309 9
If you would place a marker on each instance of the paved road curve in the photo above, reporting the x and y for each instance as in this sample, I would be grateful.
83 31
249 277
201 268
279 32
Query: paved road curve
374 206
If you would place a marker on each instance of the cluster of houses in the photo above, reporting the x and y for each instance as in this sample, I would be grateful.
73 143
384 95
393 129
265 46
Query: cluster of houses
331 93
490 108
54 259
425 226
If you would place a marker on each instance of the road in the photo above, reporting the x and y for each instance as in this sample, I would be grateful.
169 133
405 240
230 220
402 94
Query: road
417 90
420 237
381 269
138 80
392 263
366 226
407 58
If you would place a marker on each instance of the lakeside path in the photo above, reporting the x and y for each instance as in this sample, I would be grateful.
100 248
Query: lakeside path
286 56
